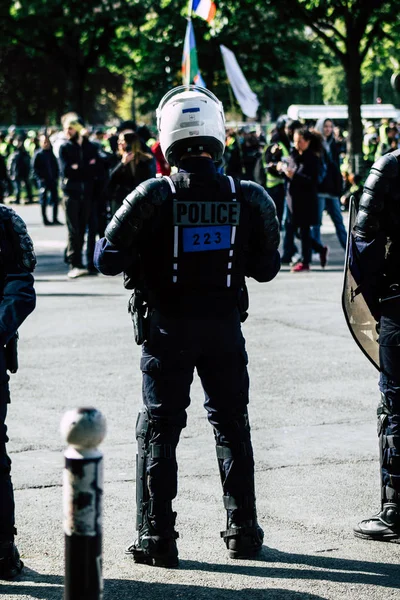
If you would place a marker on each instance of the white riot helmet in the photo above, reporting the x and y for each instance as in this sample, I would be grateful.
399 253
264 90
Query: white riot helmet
191 119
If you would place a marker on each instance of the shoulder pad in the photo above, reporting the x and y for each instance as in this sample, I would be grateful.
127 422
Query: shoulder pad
388 165
256 195
19 234
137 208
382 174
153 190
263 206
377 186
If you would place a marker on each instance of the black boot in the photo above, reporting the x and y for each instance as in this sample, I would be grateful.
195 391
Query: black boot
156 545
44 216
55 214
10 563
384 526
243 536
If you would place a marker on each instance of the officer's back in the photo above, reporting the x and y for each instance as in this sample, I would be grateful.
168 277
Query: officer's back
186 244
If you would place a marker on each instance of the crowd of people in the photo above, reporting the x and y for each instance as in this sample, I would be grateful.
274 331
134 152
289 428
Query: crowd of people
304 168
92 171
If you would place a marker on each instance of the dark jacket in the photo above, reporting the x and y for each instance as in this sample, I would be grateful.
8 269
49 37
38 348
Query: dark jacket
80 180
20 164
123 180
332 182
45 167
302 197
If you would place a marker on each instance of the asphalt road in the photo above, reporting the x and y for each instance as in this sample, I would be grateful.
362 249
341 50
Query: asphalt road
313 407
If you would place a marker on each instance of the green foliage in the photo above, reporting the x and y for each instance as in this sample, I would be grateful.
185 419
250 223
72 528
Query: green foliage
74 39
85 54
333 84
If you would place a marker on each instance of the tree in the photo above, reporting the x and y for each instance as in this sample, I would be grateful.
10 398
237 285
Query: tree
349 29
74 36
274 54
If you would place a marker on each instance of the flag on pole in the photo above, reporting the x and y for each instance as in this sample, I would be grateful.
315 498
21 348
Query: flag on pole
246 98
190 66
205 9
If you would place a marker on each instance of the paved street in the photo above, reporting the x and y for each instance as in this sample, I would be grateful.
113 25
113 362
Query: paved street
313 407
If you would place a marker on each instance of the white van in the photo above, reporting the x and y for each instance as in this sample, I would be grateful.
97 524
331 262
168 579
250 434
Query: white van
340 111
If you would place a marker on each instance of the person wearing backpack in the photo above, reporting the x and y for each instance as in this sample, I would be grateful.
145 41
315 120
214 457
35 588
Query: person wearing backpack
329 183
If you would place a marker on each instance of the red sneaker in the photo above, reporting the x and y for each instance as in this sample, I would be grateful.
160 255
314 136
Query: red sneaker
323 255
300 268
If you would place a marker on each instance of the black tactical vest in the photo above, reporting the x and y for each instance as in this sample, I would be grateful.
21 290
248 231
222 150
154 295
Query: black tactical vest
193 260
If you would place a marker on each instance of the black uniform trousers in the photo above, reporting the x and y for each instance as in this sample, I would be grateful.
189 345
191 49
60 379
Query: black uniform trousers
216 348
77 211
7 517
389 355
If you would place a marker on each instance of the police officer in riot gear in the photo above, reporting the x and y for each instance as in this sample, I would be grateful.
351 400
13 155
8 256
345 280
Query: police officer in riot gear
17 261
186 243
374 251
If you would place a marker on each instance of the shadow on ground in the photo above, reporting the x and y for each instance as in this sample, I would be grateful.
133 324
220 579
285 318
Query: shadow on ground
329 569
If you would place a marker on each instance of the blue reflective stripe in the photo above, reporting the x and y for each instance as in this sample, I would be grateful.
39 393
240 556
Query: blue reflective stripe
188 110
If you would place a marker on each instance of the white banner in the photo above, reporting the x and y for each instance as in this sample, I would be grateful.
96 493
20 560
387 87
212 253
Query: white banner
246 98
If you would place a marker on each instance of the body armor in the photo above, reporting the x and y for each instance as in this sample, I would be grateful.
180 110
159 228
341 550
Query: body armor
218 230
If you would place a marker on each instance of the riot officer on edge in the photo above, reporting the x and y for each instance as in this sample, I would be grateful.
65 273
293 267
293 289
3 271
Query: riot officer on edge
375 263
18 299
187 242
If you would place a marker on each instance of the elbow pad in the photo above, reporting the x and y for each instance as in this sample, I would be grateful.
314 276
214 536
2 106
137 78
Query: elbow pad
136 209
378 184
263 209
21 243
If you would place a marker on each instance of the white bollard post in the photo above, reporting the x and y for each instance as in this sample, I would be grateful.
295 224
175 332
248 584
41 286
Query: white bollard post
83 429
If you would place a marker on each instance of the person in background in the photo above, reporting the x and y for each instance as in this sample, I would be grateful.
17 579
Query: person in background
5 182
163 168
277 150
353 188
290 249
252 156
134 167
5 147
78 160
19 168
302 173
46 171
330 186
232 156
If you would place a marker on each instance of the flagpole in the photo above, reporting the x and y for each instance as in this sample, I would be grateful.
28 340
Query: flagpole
189 17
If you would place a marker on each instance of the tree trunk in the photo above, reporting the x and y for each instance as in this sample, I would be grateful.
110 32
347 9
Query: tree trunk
355 127
75 88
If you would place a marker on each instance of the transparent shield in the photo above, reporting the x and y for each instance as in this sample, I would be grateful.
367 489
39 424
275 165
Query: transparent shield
360 321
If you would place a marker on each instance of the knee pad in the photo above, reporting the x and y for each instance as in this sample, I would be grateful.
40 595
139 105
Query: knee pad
156 441
389 444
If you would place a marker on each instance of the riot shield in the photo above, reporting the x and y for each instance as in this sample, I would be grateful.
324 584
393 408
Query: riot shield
362 325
